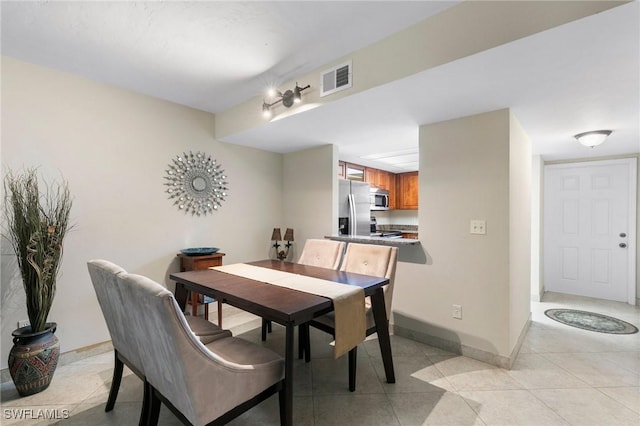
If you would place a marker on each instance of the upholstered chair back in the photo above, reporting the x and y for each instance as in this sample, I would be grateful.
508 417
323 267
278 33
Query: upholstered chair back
111 300
202 382
322 253
375 260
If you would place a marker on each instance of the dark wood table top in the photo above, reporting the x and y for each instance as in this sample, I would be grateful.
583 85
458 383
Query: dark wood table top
279 304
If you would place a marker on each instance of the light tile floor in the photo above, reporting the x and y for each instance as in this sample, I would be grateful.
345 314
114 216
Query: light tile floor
563 376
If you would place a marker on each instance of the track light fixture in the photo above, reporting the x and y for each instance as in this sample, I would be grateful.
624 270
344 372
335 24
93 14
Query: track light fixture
288 98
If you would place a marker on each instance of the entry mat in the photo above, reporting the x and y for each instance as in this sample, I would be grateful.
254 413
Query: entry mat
591 321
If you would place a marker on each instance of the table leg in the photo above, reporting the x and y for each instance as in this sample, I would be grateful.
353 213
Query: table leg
382 328
181 296
194 303
288 375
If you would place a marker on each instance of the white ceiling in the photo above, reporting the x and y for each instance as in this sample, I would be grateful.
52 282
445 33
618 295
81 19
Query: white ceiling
580 76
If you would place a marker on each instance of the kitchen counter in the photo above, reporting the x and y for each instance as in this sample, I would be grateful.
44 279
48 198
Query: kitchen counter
385 241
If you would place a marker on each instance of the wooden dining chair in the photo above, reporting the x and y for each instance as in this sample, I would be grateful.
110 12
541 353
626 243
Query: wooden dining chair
201 384
316 252
366 259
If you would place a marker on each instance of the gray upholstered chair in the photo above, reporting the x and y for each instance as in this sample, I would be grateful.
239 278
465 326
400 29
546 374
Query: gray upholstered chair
201 384
103 276
316 252
367 259
126 351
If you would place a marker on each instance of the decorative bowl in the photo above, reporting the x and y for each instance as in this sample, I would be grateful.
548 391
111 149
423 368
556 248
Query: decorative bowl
199 251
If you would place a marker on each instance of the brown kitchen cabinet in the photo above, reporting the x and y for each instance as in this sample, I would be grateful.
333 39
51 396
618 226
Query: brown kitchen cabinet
354 172
375 177
407 191
195 263
383 179
371 176
413 235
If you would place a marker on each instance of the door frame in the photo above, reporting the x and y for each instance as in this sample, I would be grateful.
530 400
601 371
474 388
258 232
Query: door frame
632 162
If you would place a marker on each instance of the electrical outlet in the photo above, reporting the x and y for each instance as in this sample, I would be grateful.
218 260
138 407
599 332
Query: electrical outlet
478 227
457 311
23 323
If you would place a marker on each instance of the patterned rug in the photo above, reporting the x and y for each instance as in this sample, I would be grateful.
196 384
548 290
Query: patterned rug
591 321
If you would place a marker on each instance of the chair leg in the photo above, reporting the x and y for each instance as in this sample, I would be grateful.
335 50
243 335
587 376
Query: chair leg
307 345
153 412
305 342
115 382
353 356
146 402
302 339
264 329
283 406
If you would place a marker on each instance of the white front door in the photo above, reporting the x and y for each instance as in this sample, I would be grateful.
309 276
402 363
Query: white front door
589 229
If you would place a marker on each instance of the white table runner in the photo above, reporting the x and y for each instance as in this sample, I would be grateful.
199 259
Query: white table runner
348 300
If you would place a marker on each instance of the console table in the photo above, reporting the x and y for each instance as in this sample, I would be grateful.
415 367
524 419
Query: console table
195 263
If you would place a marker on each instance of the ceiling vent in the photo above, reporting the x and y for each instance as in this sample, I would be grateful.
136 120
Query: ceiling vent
335 79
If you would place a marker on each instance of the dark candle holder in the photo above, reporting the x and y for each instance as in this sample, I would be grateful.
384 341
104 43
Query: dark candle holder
277 236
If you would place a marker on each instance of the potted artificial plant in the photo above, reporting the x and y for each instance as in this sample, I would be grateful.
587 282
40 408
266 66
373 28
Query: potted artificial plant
36 224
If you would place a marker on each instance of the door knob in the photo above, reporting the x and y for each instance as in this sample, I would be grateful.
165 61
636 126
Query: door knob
622 245
622 235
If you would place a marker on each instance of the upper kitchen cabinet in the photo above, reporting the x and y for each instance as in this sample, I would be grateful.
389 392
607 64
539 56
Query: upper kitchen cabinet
354 172
385 180
342 170
374 177
407 193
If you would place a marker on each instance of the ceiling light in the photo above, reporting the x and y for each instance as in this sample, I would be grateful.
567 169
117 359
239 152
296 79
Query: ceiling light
288 98
297 94
266 112
593 138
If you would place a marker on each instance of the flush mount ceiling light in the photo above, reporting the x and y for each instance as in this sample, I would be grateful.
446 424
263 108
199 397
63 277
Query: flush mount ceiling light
287 98
593 138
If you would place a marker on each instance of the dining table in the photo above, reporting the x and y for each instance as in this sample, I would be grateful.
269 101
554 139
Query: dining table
286 305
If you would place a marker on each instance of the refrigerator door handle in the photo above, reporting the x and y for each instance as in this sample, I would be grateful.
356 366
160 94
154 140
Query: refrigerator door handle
352 212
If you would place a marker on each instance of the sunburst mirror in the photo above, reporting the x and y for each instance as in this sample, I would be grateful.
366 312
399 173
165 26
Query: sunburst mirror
196 183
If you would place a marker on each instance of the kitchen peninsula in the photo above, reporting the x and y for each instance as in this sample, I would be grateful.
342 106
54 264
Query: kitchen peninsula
385 241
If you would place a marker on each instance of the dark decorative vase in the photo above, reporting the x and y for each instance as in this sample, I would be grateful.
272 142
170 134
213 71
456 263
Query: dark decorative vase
33 358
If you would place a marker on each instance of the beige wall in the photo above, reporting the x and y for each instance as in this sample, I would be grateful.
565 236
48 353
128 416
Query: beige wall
537 175
467 167
113 147
309 178
463 30
519 232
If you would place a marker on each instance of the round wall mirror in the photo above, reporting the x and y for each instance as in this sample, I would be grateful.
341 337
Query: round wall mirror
199 184
196 183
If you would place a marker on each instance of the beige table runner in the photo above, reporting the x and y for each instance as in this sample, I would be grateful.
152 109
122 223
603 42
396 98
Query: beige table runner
348 300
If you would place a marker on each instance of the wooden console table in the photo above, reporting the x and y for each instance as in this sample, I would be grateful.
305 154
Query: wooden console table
194 263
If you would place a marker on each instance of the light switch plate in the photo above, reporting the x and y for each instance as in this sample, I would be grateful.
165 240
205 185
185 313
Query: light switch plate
457 311
478 227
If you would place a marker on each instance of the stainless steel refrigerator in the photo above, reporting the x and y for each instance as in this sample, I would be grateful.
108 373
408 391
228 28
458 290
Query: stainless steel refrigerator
354 204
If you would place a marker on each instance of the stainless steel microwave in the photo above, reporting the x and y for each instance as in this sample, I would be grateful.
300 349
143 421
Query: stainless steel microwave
379 199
